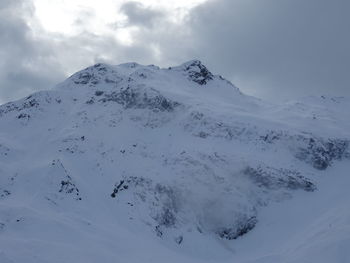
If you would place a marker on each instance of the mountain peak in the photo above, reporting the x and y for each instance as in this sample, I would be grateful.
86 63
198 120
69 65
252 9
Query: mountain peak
192 62
132 73
173 159
196 71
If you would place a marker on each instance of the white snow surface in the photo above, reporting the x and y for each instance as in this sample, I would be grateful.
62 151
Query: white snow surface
134 163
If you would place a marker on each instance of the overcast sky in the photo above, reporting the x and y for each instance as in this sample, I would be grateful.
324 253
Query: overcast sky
273 49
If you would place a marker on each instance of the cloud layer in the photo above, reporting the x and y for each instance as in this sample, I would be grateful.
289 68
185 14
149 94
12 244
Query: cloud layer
26 63
281 48
271 49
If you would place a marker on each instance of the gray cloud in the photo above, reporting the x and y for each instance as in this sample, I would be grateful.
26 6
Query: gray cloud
140 15
26 63
277 49
271 49
169 43
32 62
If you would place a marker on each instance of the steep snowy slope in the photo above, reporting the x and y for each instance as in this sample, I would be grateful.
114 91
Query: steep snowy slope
135 163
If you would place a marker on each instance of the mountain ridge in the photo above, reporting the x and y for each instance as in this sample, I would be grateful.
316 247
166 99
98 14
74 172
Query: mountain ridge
178 157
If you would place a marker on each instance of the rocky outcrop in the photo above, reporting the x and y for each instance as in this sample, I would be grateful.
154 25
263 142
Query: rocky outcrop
272 178
197 72
140 99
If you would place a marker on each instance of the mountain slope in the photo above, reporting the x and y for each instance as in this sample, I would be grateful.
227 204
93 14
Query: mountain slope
135 162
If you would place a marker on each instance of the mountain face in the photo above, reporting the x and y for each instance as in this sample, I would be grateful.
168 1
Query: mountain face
134 163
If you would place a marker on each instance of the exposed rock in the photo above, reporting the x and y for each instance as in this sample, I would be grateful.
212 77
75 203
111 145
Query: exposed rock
320 153
237 230
4 193
197 72
67 185
140 99
119 187
272 178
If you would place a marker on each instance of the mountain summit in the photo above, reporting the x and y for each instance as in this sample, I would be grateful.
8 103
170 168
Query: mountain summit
139 163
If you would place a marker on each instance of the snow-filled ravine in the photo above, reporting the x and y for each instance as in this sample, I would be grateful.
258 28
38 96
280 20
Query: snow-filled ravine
134 163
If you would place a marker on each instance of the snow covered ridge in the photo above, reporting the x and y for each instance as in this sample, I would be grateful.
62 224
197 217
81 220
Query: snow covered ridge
176 157
193 70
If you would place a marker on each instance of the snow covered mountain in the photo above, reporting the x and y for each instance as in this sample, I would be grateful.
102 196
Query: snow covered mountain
134 163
